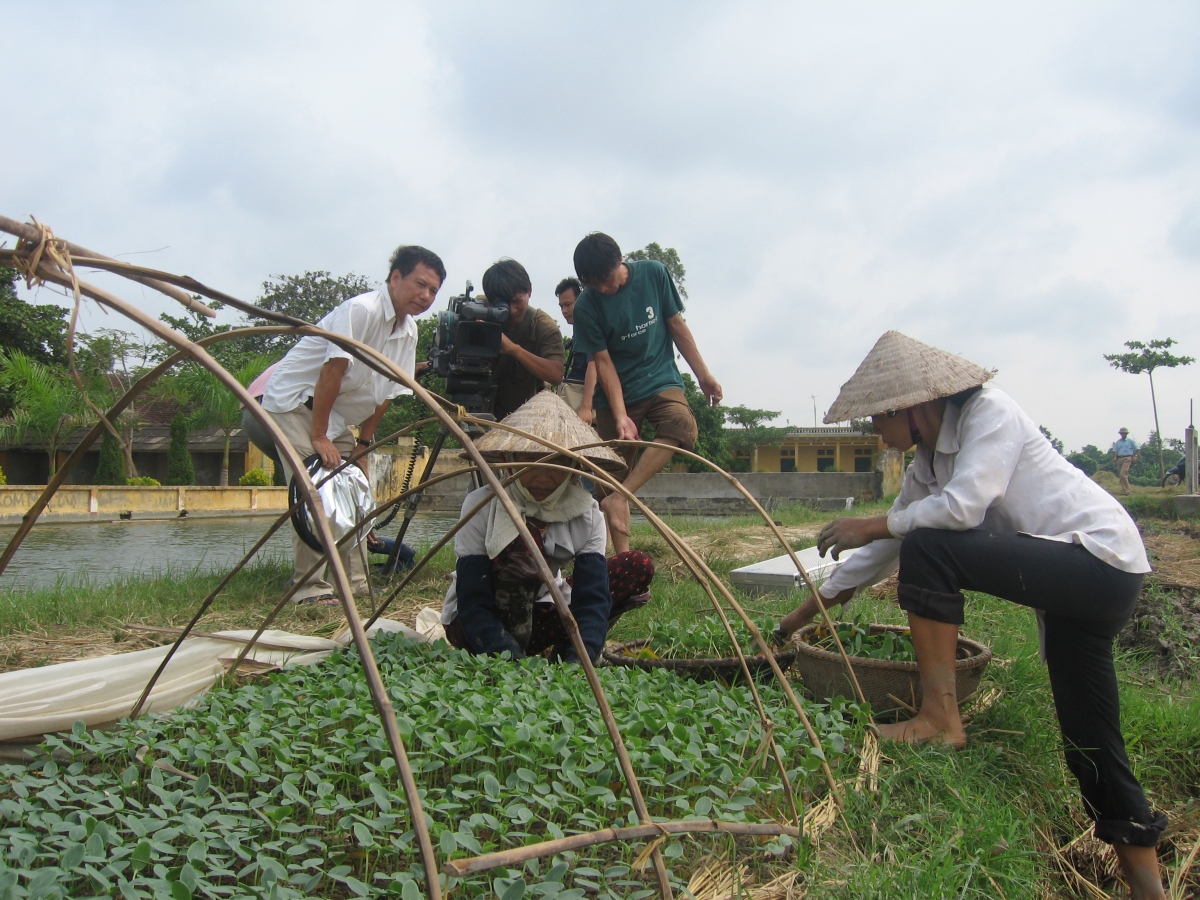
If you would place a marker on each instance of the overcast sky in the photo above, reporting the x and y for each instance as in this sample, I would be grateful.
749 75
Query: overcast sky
1016 183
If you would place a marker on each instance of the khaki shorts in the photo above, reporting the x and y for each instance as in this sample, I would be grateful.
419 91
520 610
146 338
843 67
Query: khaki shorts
668 414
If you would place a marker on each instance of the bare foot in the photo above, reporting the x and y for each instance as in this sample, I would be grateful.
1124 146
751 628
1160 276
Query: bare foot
918 730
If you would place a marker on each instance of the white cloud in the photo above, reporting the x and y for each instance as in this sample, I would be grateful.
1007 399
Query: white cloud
1017 183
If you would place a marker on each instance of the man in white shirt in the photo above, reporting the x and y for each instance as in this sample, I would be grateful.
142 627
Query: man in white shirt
318 390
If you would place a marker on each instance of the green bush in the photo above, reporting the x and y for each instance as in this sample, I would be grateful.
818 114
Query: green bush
111 468
144 481
255 478
3 477
1150 506
180 470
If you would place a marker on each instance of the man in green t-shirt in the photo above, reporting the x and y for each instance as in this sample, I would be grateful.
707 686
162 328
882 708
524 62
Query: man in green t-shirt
531 347
629 318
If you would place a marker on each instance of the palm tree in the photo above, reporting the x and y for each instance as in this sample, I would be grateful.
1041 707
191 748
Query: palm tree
47 406
215 404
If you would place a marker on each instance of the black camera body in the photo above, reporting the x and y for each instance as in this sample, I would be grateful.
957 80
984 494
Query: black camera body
465 348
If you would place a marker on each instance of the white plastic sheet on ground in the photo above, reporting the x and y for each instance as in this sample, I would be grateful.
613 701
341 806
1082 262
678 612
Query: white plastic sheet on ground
49 699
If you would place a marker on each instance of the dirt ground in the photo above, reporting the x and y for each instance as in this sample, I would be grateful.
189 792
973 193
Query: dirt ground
1165 626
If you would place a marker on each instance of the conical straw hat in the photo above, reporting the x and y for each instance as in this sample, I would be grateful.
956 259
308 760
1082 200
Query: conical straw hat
547 415
900 372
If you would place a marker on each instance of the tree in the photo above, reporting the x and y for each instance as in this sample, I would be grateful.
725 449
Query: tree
47 406
38 331
111 468
710 426
216 405
1054 442
180 470
115 359
1146 358
750 429
669 258
1091 459
309 297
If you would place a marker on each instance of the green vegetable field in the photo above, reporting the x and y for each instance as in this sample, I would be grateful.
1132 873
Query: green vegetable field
286 788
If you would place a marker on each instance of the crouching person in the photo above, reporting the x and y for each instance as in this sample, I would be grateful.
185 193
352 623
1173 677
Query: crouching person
497 599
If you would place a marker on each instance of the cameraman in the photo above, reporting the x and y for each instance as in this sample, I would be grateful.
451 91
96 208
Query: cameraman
531 347
318 390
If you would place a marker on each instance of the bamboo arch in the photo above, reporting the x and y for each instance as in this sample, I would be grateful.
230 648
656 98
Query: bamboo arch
41 257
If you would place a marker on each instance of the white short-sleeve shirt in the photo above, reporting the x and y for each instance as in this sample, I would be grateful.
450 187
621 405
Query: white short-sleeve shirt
369 318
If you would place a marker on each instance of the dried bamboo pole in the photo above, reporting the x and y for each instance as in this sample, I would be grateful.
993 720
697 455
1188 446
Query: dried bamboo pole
374 679
287 594
397 374
460 868
663 528
99 261
820 601
677 543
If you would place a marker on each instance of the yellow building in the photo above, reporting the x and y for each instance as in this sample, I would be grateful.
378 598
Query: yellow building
827 449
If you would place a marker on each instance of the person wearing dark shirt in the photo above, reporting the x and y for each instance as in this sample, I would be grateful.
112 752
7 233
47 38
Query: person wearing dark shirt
579 378
531 348
629 318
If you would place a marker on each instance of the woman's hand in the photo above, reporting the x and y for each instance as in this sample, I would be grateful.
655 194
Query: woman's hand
849 533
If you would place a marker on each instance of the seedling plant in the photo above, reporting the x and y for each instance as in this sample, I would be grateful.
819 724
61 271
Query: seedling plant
703 638
285 788
858 640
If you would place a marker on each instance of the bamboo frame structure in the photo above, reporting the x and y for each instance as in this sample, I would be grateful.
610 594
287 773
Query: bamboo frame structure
43 258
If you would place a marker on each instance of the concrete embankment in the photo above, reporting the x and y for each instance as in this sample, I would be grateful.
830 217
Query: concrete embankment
686 493
80 503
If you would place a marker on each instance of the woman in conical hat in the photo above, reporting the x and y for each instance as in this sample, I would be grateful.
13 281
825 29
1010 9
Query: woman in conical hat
497 602
988 505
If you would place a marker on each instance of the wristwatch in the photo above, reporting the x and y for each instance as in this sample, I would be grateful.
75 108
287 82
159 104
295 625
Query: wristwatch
365 442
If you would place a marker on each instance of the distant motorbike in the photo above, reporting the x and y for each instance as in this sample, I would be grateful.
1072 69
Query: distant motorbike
1176 474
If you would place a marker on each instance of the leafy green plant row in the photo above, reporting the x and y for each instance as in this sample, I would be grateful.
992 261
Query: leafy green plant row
703 638
290 789
857 639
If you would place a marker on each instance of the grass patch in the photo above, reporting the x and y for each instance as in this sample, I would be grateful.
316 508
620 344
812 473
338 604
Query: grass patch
944 824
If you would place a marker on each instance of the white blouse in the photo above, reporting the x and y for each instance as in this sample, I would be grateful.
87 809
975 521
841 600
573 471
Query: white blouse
993 469
563 542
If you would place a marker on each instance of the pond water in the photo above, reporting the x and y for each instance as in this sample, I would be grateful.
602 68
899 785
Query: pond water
101 552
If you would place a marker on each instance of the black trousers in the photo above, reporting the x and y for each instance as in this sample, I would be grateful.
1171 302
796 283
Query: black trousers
1086 602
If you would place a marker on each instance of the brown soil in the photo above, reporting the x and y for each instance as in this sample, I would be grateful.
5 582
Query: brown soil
1165 625
32 649
752 543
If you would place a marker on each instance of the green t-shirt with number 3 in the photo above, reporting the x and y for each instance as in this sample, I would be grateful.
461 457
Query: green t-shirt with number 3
631 325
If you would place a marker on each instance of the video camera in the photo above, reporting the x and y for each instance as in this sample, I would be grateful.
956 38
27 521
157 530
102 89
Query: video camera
465 348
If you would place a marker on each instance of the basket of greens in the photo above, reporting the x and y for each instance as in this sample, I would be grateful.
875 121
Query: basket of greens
701 648
884 664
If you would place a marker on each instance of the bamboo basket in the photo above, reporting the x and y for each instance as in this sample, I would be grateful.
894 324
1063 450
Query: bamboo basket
888 685
726 668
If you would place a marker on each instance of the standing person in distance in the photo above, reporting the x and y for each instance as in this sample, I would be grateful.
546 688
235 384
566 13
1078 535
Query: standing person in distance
531 347
579 378
317 391
629 318
1125 453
